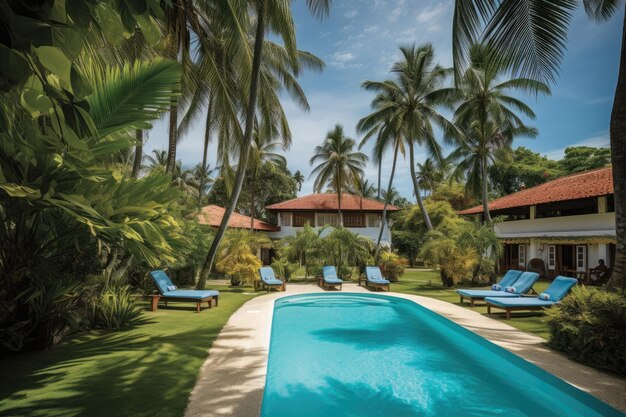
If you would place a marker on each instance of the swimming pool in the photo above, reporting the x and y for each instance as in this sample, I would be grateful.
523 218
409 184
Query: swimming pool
366 355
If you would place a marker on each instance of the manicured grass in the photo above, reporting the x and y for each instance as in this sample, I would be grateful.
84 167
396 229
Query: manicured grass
427 283
148 370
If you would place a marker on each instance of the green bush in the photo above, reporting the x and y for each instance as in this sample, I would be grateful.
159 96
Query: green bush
590 327
284 269
392 266
115 308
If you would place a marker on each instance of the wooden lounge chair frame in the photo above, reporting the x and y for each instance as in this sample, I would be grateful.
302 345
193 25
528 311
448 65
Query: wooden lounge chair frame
155 298
363 281
322 283
508 310
259 284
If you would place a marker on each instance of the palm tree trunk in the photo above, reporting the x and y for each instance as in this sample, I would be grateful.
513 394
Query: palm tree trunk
416 188
618 159
252 187
485 189
173 139
380 168
245 150
389 187
205 151
138 154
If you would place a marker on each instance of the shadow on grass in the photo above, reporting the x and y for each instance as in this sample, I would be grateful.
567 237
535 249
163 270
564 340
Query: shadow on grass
148 370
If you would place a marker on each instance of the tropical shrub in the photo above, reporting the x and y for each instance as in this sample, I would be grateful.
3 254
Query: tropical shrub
303 248
344 249
392 266
115 308
237 257
284 269
589 325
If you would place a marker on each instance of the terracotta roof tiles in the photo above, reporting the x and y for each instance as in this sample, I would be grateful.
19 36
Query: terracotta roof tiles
313 202
212 215
586 184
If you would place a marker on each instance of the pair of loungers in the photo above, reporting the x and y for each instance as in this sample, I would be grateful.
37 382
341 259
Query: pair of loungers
508 294
169 292
373 278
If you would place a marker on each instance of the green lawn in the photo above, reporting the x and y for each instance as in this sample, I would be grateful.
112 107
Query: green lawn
428 284
148 370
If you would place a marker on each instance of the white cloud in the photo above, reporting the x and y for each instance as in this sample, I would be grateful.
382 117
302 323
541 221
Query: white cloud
343 59
428 14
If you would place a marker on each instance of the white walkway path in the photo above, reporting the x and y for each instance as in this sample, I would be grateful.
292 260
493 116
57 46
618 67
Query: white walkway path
232 379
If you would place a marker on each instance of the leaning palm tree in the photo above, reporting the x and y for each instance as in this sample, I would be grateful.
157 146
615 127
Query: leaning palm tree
338 164
299 178
529 37
414 98
270 16
490 114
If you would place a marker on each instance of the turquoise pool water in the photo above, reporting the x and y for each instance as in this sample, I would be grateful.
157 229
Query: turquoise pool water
342 354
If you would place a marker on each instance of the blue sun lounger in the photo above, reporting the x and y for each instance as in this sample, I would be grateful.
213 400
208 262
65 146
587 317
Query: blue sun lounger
522 284
551 296
169 292
329 278
268 280
374 278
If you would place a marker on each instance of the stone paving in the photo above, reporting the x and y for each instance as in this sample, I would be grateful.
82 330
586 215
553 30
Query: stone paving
232 378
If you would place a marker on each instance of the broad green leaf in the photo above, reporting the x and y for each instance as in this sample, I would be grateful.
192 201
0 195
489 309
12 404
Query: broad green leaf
35 102
20 191
14 69
55 61
81 87
110 23
149 28
79 12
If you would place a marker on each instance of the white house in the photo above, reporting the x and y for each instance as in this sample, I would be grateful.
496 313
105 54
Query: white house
360 215
569 223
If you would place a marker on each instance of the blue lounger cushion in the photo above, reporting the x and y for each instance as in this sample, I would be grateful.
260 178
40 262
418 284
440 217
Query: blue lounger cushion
162 282
268 277
486 293
508 279
192 294
519 302
556 290
522 285
330 275
374 275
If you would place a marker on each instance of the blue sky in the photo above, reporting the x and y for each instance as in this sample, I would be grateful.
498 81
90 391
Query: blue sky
360 41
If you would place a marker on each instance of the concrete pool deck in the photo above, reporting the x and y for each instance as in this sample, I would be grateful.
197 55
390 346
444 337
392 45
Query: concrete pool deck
232 379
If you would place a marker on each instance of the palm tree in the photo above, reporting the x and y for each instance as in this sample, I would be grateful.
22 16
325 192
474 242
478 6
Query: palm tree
265 146
429 174
203 177
299 179
338 164
391 195
412 98
275 16
388 134
489 114
159 160
529 37
366 189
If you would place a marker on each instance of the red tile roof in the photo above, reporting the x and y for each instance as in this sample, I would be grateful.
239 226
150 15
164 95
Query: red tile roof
328 201
212 215
587 184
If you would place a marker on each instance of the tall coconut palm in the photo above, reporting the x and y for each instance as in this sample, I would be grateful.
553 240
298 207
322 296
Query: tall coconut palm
413 98
383 124
338 165
299 178
265 148
366 189
270 16
530 37
490 114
